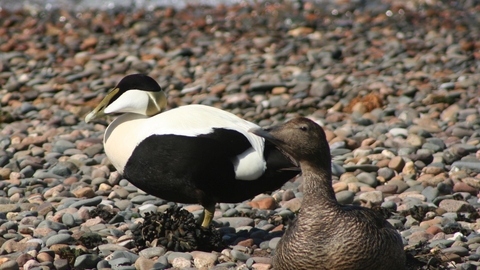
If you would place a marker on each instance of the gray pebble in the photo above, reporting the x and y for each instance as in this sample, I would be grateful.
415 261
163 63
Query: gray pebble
86 261
87 202
240 256
345 197
174 255
59 239
367 178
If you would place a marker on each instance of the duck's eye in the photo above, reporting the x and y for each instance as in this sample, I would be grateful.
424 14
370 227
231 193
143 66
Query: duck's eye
303 128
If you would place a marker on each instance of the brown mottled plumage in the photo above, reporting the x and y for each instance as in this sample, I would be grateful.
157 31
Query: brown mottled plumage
326 234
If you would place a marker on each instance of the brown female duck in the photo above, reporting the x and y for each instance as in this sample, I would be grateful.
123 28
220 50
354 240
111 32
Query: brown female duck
326 234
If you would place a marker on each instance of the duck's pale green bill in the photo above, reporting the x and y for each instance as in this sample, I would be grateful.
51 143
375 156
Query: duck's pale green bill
99 110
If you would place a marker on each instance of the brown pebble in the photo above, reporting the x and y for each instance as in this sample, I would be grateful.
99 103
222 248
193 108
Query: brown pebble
397 164
57 247
265 203
294 204
451 257
44 257
279 228
462 187
246 243
93 221
455 206
329 135
261 266
85 192
23 258
432 170
88 43
383 163
387 189
339 186
434 230
144 263
70 180
368 142
218 88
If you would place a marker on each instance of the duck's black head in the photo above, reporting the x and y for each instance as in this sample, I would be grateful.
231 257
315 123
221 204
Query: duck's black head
135 93
301 138
138 82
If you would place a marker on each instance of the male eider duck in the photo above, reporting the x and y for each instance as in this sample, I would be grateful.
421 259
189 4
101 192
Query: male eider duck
190 154
326 234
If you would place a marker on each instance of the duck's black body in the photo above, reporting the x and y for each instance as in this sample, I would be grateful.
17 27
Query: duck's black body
190 154
199 169
326 234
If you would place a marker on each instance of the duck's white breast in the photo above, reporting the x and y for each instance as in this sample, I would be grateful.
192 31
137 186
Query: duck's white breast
128 130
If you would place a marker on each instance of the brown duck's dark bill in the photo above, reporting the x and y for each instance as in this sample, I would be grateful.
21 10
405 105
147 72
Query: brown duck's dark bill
265 134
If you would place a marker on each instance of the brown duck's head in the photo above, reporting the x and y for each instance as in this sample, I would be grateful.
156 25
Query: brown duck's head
300 138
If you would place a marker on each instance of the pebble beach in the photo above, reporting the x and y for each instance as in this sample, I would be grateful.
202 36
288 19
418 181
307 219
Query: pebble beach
394 84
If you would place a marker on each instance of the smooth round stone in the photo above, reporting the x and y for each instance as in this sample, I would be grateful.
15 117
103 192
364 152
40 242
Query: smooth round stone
367 178
61 145
374 197
85 261
225 206
237 221
441 243
474 166
363 167
475 239
288 195
401 185
140 199
224 265
239 256
121 254
230 212
405 151
387 189
433 147
286 214
461 251
272 244
386 173
430 193
59 239
115 263
10 265
399 132
61 264
174 255
147 208
6 208
56 226
345 197
68 219
152 252
87 202
159 265
389 205
337 170
14 190
123 204
362 152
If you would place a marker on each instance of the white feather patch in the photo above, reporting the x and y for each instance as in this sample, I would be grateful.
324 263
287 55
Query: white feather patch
132 101
191 121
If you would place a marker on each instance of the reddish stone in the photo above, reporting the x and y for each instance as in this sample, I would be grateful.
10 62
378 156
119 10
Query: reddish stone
268 203
434 230
246 243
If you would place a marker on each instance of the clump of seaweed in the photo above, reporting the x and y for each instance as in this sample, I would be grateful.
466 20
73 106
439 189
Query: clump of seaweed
104 212
422 257
176 229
